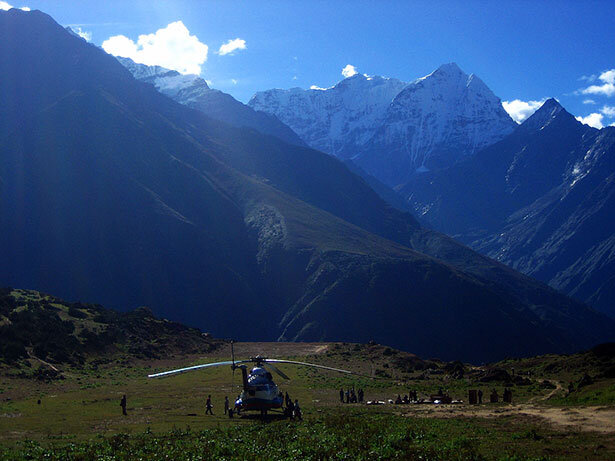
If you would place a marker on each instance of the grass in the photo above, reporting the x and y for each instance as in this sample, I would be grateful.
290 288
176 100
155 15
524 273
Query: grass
79 417
346 434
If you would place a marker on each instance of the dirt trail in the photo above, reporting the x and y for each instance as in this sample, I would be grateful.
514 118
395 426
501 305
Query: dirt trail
558 387
594 419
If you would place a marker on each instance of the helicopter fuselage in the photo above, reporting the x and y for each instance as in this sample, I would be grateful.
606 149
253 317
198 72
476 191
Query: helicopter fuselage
260 393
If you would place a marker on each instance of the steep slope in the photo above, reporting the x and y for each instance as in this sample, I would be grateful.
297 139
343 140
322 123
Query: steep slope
112 191
539 201
193 91
475 196
567 236
390 128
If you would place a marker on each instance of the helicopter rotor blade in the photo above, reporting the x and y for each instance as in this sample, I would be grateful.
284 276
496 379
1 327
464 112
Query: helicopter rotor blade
276 369
292 362
183 370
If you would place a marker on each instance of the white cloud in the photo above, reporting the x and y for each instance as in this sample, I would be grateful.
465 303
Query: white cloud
589 101
588 78
594 119
7 6
234 81
609 111
87 36
520 110
608 84
349 71
315 87
608 76
172 47
231 46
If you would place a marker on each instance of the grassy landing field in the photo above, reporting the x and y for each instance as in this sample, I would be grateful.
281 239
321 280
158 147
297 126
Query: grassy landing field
79 416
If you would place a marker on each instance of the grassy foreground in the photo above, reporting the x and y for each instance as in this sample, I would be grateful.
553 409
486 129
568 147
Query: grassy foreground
60 391
346 434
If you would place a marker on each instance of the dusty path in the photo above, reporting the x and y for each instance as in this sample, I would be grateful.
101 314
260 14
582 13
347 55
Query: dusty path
594 419
558 387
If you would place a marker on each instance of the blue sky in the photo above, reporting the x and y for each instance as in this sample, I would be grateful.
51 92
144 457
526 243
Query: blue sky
523 50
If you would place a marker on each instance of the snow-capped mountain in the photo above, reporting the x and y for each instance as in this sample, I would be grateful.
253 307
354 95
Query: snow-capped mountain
193 91
540 200
390 128
339 120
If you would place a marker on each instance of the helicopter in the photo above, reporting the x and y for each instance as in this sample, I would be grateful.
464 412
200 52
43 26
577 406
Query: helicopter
259 392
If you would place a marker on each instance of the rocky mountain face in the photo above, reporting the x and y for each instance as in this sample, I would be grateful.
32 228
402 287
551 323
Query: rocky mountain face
111 191
193 91
338 120
540 201
394 129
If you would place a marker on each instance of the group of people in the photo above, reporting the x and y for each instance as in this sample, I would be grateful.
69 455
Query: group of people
292 409
350 396
506 397
411 396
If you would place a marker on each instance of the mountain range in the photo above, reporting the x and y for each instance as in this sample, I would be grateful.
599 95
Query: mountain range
111 191
541 201
193 91
393 129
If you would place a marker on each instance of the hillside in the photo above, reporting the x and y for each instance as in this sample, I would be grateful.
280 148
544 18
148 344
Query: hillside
193 91
143 201
540 201
36 327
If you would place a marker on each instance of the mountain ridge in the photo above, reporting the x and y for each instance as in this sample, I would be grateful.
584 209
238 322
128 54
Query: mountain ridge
141 200
194 92
393 129
528 200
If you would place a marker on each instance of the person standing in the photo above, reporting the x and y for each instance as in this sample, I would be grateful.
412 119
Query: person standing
123 405
480 396
297 411
208 406
342 395
226 404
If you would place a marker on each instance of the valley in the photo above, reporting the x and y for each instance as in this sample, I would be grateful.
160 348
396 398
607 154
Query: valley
59 406
203 222
79 415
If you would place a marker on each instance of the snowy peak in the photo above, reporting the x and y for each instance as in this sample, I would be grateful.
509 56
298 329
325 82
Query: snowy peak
192 91
391 128
183 88
449 70
550 111
338 120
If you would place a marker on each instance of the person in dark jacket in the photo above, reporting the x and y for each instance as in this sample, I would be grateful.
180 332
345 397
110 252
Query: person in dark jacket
208 406
297 411
123 405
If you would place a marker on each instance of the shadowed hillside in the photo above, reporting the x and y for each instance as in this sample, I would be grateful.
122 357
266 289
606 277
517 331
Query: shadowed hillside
115 193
